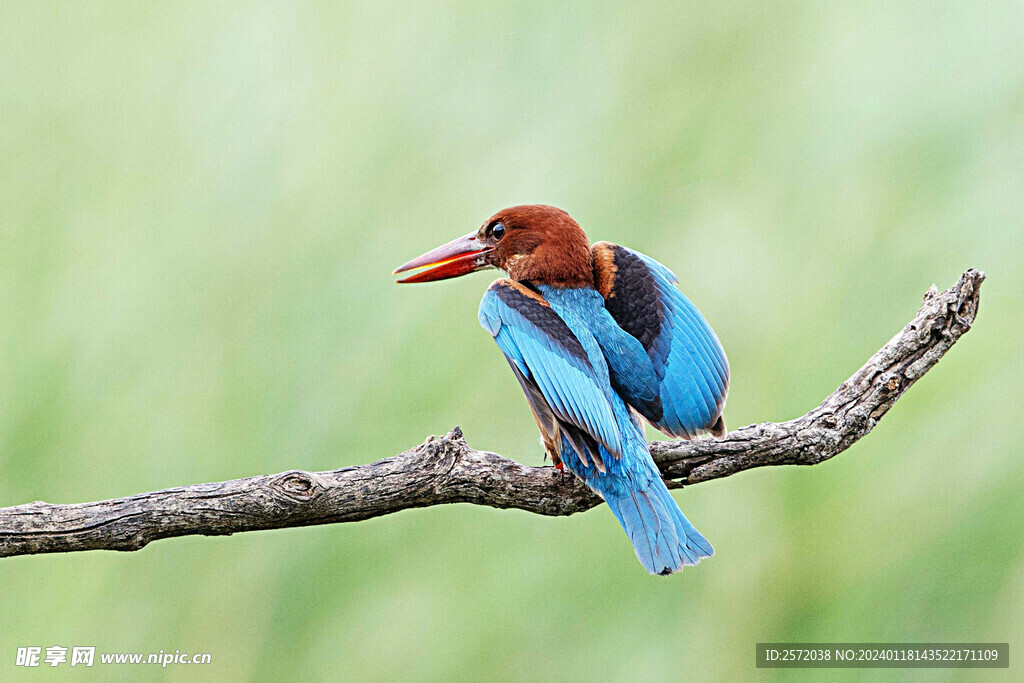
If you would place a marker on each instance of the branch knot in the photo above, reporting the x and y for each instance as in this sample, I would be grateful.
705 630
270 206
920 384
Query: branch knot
297 486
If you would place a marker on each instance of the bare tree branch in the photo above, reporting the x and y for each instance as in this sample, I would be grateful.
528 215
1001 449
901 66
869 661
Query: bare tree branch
446 470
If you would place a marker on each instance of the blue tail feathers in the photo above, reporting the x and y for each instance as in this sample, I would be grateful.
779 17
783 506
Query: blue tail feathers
664 540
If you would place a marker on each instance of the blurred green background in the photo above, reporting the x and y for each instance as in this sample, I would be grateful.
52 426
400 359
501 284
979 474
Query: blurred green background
200 206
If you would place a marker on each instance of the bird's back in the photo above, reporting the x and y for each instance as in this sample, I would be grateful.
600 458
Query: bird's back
559 341
664 540
584 314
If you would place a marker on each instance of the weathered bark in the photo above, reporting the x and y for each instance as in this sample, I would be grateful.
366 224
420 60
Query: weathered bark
446 470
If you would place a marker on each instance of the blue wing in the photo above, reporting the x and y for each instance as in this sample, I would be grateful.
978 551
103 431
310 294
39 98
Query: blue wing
552 366
689 363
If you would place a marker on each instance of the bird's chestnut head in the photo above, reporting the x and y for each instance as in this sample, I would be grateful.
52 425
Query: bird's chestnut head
533 242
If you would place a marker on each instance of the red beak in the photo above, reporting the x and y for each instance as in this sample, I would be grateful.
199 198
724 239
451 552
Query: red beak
461 256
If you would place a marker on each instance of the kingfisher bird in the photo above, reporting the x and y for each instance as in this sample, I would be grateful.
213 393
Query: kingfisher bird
597 337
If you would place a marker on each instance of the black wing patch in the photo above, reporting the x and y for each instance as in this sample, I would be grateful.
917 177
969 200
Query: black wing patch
630 293
689 362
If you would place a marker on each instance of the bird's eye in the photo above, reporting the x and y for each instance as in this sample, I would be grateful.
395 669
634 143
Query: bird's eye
498 231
